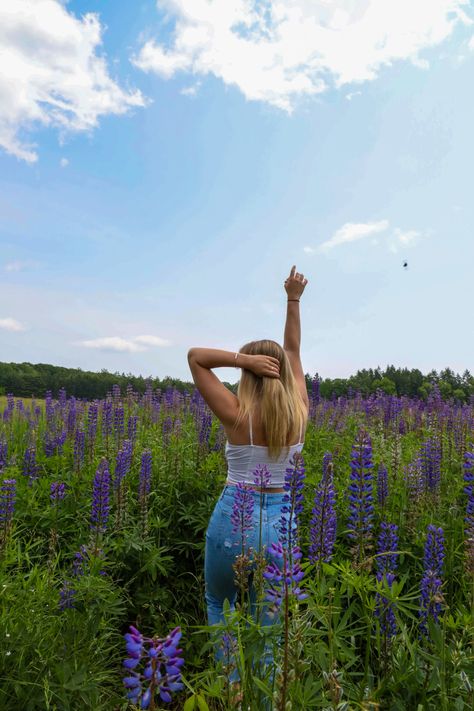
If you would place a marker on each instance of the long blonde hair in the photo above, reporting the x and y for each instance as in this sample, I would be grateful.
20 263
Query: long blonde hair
282 408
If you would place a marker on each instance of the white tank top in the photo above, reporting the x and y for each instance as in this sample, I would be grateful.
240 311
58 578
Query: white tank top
242 460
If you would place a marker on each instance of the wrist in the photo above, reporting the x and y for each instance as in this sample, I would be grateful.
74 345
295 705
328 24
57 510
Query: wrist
293 300
242 360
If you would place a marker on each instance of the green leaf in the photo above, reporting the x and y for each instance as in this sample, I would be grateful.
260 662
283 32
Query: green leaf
190 703
202 705
262 686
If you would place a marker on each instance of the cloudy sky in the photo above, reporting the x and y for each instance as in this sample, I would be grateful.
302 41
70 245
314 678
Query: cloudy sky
163 164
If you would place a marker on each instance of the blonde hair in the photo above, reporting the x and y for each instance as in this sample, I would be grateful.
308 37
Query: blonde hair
282 408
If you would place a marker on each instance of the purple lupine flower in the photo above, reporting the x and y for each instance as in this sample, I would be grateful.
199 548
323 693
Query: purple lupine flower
293 500
57 491
30 467
100 498
162 670
285 581
123 462
205 423
71 416
167 426
262 476
60 440
116 394
145 475
242 509
413 480
430 460
387 545
49 407
119 415
468 467
67 595
79 562
315 389
382 485
431 595
107 418
92 423
7 507
323 519
3 453
132 427
361 509
79 446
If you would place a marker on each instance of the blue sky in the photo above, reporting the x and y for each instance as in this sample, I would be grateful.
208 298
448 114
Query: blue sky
161 169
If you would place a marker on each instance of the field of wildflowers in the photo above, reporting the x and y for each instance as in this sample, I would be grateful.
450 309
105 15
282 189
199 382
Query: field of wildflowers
103 511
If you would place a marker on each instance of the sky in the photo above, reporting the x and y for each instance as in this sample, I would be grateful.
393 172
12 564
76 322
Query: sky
164 164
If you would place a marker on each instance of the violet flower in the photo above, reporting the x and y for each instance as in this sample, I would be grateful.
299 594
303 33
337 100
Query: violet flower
323 519
100 498
361 509
468 467
162 666
431 595
382 485
7 507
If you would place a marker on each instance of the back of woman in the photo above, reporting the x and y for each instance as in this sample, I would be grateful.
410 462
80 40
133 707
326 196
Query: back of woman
265 425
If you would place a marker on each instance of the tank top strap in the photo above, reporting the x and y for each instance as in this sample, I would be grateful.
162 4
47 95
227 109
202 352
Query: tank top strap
301 432
250 423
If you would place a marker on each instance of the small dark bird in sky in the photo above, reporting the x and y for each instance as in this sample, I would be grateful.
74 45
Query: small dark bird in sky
405 264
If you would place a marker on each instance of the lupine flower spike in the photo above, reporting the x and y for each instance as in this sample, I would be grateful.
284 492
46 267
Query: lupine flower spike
162 667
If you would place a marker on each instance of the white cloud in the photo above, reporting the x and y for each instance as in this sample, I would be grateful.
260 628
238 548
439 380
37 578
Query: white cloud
402 238
471 43
63 162
119 344
353 231
191 90
112 343
280 50
152 340
351 95
11 324
51 73
406 237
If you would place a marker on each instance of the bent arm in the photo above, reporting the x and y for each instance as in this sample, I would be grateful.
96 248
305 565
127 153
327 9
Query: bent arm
216 358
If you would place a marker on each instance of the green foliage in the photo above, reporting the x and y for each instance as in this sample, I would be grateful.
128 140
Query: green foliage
152 576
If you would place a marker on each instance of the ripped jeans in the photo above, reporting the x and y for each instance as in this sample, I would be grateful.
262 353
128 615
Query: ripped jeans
222 547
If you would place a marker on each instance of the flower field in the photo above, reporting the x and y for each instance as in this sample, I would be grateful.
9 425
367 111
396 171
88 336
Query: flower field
104 507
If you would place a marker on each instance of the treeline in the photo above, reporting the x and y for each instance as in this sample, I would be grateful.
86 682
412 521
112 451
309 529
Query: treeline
27 379
399 381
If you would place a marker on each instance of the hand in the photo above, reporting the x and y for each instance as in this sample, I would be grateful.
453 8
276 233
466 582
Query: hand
263 365
295 284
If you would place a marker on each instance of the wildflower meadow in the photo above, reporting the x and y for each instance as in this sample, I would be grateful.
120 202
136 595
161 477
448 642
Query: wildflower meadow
104 506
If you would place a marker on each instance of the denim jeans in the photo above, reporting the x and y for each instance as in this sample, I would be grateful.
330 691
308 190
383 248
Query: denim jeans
222 547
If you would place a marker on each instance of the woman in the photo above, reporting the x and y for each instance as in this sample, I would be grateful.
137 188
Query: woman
265 424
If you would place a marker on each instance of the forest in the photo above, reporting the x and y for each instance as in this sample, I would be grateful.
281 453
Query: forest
28 379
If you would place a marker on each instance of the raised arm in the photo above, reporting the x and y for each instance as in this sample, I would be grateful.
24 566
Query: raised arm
294 287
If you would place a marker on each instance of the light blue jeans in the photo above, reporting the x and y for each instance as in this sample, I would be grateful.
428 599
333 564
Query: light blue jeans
222 548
